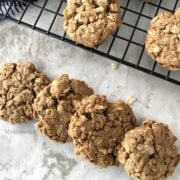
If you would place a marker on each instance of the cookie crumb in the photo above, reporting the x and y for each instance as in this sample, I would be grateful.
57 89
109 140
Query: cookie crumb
115 65
131 100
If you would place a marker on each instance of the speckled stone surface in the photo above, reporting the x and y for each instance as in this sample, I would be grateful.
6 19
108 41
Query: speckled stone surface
27 155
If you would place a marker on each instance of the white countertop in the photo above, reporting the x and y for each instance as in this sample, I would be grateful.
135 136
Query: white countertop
31 156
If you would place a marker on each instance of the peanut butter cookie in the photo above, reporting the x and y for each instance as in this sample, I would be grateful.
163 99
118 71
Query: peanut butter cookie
98 127
19 85
90 22
54 106
148 152
163 40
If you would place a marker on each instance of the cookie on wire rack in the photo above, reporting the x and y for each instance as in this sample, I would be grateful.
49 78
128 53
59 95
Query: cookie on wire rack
148 152
90 22
55 105
19 86
98 127
163 40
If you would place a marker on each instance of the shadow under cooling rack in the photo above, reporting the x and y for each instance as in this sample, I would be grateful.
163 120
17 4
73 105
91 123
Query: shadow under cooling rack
125 46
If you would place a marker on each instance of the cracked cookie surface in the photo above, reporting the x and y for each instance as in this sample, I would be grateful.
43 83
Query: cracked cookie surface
54 106
90 22
163 40
19 85
148 152
98 127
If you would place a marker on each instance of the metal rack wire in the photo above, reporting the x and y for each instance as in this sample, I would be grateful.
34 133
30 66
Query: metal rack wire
125 46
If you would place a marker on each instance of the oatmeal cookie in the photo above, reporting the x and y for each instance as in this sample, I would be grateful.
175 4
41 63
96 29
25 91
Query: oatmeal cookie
54 106
163 40
90 22
148 152
19 85
98 127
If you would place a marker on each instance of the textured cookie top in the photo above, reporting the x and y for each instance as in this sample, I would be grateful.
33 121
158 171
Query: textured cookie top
54 106
163 40
90 22
98 127
19 85
148 152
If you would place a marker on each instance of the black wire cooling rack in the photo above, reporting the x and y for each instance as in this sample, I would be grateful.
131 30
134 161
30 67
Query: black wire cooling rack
125 46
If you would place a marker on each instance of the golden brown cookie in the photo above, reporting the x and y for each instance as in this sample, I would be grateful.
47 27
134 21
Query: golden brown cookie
90 22
54 106
163 40
148 152
98 127
19 85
